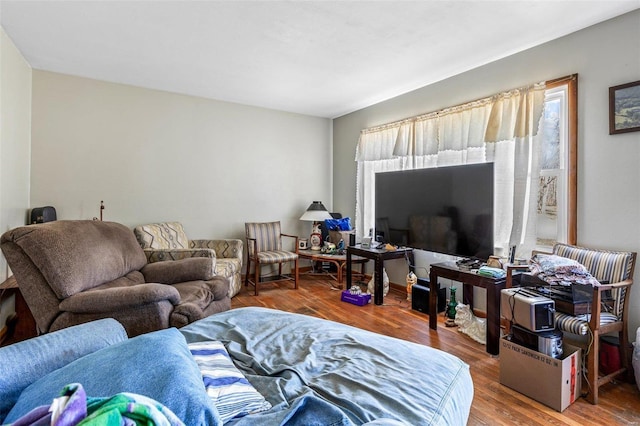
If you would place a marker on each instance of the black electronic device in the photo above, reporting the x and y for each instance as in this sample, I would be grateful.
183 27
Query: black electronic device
43 214
420 296
548 342
572 298
440 209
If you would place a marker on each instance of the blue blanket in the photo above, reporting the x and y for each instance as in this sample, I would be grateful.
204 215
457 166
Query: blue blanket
314 371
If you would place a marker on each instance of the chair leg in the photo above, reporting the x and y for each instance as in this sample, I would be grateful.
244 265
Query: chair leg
624 354
257 278
592 369
295 276
246 276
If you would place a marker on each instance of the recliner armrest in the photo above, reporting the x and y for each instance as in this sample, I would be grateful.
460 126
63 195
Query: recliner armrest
119 298
177 271
160 255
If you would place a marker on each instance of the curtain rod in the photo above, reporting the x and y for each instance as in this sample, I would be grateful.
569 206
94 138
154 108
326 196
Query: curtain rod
477 102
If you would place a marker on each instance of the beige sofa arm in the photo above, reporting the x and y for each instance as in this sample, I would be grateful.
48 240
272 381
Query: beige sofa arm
225 248
159 255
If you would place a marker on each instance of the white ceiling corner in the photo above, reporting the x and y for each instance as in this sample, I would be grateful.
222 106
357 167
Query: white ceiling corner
320 58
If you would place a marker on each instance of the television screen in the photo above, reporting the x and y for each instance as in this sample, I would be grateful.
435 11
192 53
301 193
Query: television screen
443 209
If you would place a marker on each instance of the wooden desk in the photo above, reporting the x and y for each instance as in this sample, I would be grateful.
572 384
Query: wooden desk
340 260
469 280
378 256
25 325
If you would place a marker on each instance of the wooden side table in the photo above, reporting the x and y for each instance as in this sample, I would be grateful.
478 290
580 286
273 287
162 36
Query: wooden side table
339 260
379 256
25 325
469 280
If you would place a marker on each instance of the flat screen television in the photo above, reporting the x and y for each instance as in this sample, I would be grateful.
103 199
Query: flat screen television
443 209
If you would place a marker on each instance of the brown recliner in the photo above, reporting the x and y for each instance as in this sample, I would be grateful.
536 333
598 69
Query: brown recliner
71 272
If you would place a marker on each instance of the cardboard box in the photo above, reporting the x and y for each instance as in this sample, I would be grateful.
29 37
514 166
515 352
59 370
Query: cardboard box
553 382
356 299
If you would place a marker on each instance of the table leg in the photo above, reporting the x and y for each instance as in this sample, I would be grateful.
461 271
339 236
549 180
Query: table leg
493 319
339 268
348 269
467 295
433 300
378 296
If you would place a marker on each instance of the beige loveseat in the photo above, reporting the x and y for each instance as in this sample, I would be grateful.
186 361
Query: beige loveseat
168 240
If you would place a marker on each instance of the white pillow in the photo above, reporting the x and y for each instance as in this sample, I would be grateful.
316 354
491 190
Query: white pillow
230 391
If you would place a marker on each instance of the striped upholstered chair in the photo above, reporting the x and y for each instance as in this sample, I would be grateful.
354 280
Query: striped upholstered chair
264 247
608 314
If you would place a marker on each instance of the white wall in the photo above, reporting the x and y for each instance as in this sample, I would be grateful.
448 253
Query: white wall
15 138
15 145
604 55
157 156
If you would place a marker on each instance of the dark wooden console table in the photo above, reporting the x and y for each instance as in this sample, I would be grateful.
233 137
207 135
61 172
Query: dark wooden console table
378 256
469 279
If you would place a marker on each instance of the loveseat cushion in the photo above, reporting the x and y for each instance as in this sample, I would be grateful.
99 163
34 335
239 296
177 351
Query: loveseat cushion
77 255
25 362
158 365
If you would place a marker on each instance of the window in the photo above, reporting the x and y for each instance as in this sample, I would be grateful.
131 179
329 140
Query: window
556 206
535 174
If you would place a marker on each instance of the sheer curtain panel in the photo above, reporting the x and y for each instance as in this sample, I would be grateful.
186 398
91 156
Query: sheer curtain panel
501 129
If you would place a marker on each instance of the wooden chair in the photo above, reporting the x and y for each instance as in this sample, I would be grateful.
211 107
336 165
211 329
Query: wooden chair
264 247
608 314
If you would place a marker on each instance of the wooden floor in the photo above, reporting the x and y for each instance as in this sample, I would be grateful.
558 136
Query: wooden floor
493 404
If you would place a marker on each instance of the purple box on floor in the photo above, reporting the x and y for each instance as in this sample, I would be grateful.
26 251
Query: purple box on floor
356 299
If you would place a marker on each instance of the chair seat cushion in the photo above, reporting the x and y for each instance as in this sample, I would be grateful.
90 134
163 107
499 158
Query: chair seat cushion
276 256
580 324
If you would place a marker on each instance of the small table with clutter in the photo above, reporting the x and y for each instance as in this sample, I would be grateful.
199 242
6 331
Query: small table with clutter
469 279
379 255
336 258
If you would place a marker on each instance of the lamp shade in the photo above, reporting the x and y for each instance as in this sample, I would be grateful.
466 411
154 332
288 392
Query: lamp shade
316 212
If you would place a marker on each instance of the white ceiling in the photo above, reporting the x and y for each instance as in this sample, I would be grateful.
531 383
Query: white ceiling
322 58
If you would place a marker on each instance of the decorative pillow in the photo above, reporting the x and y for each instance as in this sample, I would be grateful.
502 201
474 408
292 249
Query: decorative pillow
343 224
230 391
157 365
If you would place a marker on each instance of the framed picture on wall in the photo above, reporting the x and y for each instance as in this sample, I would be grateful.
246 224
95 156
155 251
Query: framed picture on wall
624 108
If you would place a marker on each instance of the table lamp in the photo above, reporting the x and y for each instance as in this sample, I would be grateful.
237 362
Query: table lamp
316 212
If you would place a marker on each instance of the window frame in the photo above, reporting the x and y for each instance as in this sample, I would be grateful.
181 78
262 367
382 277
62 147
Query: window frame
571 153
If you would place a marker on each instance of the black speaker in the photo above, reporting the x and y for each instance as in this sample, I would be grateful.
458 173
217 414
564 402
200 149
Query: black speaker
43 214
420 296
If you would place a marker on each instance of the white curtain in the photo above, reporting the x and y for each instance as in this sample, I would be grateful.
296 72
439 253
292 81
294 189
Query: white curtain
501 129
374 154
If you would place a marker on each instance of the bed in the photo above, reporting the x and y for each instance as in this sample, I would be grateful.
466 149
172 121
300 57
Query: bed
314 371
243 367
